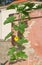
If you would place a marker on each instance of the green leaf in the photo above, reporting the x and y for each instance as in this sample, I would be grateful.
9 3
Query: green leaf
22 27
11 50
21 54
9 20
23 17
22 40
39 6
25 13
30 5
16 27
13 6
21 30
20 8
8 35
13 57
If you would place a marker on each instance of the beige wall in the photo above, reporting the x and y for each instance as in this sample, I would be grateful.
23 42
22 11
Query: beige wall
5 29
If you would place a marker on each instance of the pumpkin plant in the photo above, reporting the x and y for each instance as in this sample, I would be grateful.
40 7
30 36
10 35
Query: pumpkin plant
16 52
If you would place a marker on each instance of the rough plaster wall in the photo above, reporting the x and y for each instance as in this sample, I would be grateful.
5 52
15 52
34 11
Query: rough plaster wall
5 29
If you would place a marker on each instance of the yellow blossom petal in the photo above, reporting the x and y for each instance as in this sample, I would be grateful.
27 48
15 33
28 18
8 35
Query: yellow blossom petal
16 38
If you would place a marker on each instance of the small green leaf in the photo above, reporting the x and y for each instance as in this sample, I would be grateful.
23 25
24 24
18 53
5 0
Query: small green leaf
16 27
13 6
22 27
23 17
13 57
39 6
25 13
22 40
11 50
9 20
21 30
8 35
20 8
21 54
30 5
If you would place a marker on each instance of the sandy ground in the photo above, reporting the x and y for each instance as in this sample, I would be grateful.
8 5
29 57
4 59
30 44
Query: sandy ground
4 46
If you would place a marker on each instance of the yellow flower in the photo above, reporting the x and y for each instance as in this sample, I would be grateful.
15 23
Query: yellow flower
16 38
